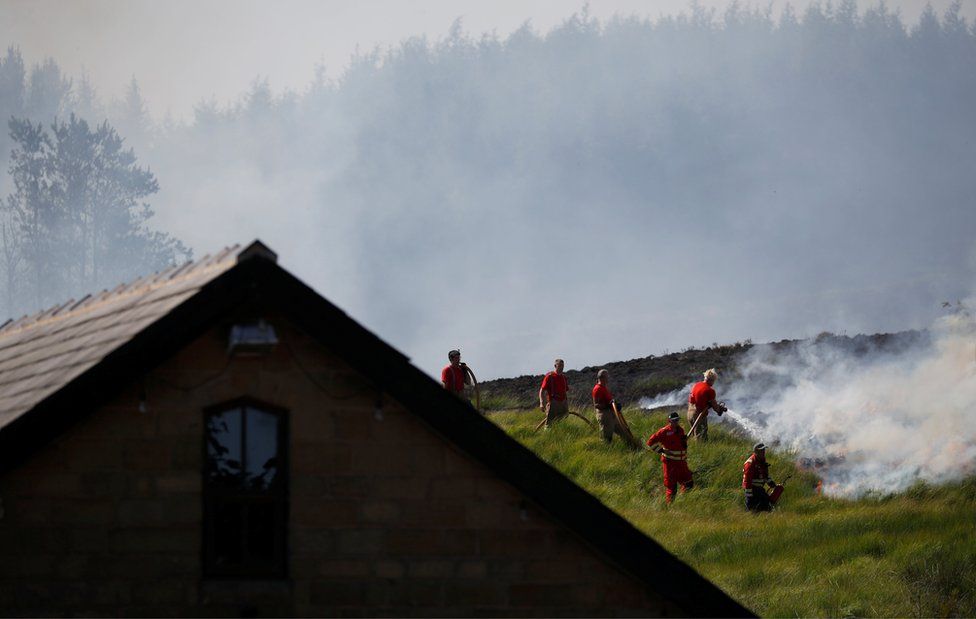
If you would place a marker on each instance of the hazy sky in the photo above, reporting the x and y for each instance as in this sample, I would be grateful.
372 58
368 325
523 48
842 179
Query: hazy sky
450 202
183 51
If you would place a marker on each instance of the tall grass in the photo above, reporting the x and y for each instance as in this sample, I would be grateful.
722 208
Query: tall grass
911 554
494 401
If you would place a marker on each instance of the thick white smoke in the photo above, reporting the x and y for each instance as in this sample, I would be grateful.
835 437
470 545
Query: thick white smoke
672 398
679 397
872 419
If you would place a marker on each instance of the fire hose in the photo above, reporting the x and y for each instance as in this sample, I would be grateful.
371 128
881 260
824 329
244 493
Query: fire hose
626 433
701 416
574 413
474 381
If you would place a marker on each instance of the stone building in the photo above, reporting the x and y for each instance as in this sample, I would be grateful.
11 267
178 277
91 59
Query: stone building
218 439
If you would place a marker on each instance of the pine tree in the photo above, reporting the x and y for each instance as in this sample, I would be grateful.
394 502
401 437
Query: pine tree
77 219
131 116
12 96
48 93
30 220
86 103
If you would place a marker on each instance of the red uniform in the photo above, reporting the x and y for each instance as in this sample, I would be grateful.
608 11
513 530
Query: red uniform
556 385
755 474
453 377
602 396
755 478
701 395
675 462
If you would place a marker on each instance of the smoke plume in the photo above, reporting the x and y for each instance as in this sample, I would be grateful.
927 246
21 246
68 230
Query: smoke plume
869 416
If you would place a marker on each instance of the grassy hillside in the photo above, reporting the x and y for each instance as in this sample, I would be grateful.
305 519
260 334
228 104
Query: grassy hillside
911 554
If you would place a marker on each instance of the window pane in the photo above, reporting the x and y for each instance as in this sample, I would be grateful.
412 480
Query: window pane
261 532
228 529
262 449
224 447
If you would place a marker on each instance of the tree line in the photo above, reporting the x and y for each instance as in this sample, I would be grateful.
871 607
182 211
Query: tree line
837 141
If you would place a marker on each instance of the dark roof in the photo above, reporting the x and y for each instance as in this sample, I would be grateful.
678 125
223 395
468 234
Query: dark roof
127 332
42 353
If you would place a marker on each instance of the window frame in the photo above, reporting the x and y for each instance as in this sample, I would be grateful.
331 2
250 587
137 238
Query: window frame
214 496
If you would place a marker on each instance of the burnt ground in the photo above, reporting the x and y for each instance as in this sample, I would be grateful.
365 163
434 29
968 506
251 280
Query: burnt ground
653 375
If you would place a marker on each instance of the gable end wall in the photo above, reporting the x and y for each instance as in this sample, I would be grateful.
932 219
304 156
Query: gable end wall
385 517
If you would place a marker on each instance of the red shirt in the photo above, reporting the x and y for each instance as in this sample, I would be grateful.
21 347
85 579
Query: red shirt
755 474
701 395
453 377
602 395
556 385
672 439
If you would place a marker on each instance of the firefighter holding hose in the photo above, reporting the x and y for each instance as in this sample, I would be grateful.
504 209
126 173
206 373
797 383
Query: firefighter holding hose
701 399
604 404
552 394
672 443
755 479
454 376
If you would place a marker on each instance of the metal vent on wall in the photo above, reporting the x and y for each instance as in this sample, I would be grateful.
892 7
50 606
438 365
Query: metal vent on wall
253 338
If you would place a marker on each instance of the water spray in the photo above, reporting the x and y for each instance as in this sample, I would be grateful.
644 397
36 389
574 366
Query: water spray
751 428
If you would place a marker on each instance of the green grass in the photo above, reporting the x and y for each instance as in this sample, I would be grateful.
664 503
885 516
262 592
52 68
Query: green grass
493 401
910 554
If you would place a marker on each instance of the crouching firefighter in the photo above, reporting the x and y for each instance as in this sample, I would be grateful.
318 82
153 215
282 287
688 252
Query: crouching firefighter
755 479
672 443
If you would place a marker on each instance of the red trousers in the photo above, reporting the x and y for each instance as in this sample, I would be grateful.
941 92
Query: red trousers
675 472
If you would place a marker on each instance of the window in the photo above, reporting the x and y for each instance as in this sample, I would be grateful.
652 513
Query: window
244 490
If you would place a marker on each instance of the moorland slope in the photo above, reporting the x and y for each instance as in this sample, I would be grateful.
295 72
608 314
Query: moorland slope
906 554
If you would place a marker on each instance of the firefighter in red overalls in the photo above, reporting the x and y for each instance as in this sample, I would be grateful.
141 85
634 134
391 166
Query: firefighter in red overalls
672 443
755 478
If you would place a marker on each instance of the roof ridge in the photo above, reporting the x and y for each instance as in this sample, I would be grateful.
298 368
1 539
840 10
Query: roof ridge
170 275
